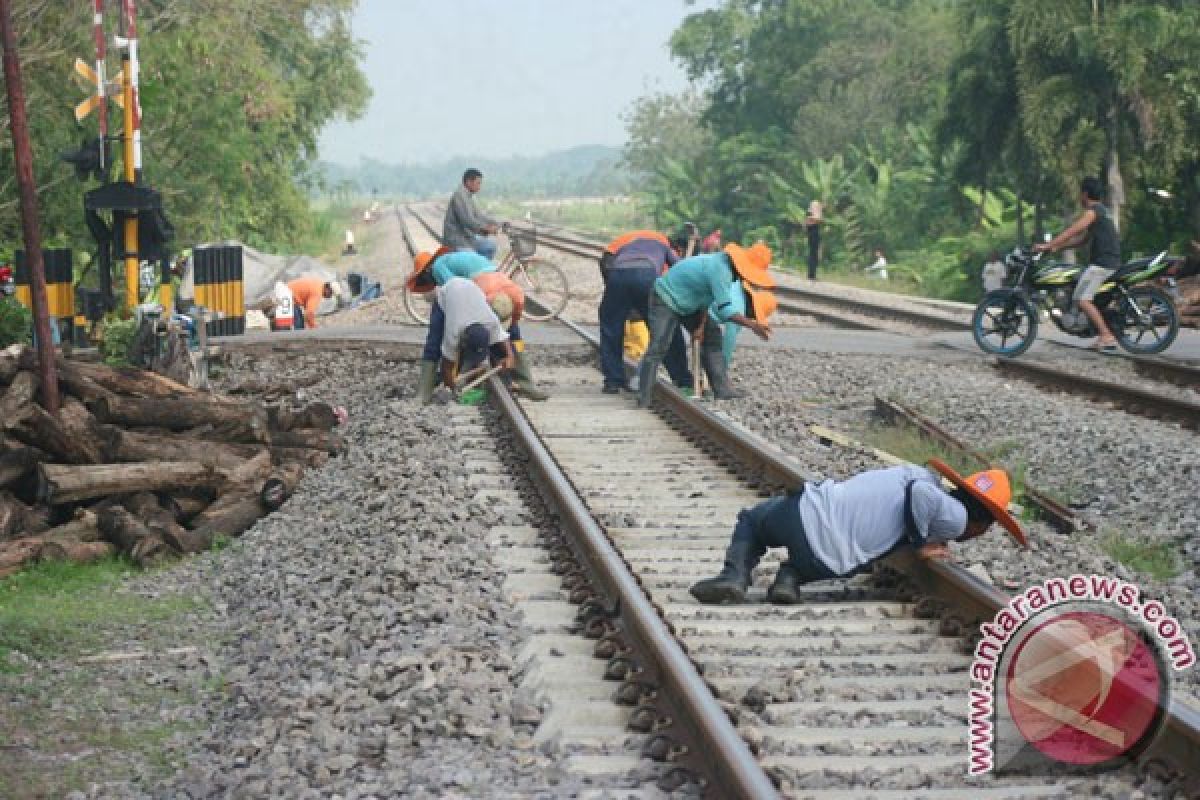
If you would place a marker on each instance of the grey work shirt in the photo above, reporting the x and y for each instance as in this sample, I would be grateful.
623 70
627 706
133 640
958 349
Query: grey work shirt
463 220
464 304
851 523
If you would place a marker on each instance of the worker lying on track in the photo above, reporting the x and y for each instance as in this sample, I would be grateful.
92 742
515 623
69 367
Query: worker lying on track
437 269
630 265
683 297
307 293
475 330
836 529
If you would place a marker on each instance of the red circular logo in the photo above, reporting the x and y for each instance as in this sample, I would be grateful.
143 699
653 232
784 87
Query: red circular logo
1084 688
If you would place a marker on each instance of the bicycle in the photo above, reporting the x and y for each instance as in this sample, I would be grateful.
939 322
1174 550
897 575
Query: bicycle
543 282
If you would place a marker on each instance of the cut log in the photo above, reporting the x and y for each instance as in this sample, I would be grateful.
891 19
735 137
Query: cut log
135 382
318 416
251 471
146 507
230 516
87 440
59 483
77 552
78 384
17 554
130 536
298 455
312 439
130 446
16 518
10 362
17 399
85 527
240 421
16 464
185 505
46 432
278 487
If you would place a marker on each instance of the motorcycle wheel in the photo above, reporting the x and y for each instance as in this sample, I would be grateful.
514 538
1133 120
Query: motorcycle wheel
1147 322
1004 323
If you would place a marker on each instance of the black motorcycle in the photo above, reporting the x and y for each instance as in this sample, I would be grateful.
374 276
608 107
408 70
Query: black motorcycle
1141 316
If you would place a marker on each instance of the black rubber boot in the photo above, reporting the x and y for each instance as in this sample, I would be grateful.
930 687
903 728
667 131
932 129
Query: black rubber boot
427 382
523 380
731 585
718 377
785 589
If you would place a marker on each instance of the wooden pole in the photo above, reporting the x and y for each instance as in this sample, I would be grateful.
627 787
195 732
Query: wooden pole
27 191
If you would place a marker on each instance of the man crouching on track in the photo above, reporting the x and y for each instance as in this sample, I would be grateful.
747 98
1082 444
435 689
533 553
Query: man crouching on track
836 529
683 297
474 332
432 270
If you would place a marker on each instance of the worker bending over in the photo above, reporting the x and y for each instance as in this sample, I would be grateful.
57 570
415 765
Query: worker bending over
683 297
432 270
307 293
474 331
630 265
835 529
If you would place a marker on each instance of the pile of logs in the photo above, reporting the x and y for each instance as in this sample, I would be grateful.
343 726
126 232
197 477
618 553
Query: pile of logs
135 463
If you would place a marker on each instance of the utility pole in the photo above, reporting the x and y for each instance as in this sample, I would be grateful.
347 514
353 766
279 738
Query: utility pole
132 142
27 192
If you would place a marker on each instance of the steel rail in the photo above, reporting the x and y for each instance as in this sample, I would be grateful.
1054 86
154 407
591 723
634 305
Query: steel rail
1163 369
720 753
1129 398
1055 512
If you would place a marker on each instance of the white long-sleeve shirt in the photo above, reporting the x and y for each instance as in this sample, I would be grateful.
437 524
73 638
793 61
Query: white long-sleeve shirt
853 522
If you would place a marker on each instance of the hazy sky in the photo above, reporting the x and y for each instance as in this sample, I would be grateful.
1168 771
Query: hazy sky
504 77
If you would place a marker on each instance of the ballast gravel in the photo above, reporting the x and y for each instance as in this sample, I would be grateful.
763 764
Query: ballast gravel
362 644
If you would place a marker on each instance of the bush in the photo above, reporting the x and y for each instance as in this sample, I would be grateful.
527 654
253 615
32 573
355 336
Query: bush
16 323
118 334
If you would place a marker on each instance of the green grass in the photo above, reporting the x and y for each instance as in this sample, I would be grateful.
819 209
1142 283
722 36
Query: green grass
603 220
76 723
1158 559
907 443
62 610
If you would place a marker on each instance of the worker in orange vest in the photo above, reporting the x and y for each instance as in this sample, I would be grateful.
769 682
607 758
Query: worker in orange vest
307 293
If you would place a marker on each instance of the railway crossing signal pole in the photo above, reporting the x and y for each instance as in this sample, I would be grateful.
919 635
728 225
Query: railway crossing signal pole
132 141
27 192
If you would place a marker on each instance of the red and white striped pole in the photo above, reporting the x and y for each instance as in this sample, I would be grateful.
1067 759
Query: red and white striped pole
101 77
129 12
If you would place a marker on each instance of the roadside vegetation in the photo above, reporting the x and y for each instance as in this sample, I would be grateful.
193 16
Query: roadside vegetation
935 131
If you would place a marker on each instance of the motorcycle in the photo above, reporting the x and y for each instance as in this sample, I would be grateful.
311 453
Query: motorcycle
1141 316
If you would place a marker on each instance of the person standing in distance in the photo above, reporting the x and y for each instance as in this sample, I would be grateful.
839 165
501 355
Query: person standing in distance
812 226
465 226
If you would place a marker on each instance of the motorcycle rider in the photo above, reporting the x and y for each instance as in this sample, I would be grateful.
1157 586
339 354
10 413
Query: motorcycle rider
1096 227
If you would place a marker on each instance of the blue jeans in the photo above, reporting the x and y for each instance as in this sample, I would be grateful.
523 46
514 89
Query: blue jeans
485 246
776 523
664 325
437 329
626 289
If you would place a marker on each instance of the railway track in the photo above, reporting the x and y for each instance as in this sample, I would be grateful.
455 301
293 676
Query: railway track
854 693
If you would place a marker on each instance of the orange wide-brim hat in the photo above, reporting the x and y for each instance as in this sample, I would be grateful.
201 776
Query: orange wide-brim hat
421 263
761 303
751 264
990 487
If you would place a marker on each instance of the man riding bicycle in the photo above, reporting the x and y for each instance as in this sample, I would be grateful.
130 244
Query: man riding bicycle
465 226
1094 226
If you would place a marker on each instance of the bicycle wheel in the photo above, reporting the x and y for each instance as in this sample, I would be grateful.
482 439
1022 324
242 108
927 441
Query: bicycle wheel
1149 323
1004 323
545 287
417 304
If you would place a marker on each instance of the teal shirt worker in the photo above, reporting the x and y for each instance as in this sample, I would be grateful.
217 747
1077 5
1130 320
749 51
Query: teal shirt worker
699 283
460 264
